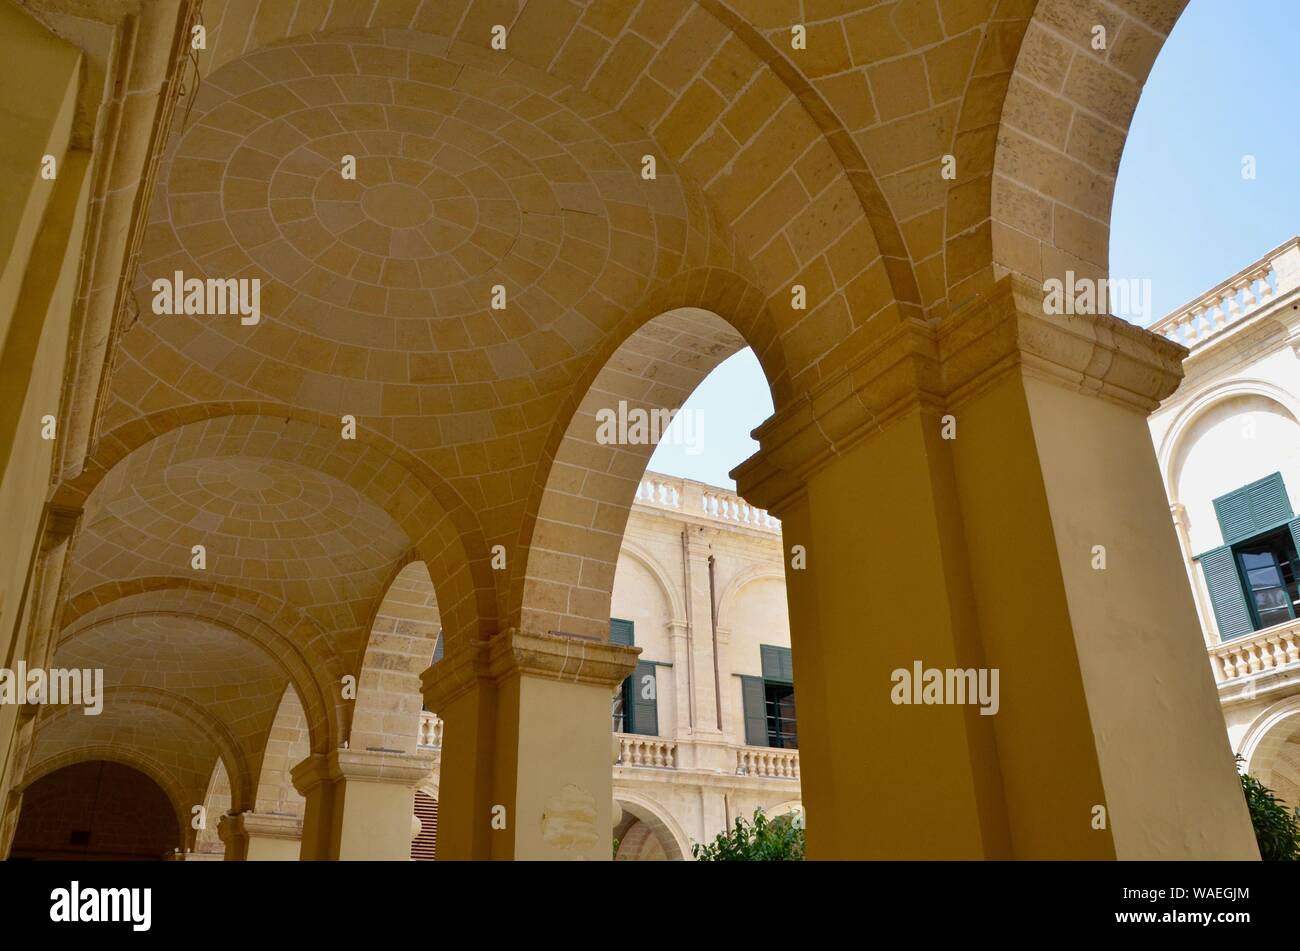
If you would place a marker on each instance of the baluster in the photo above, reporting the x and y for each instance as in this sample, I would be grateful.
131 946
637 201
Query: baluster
1218 319
1239 662
1292 649
1278 658
1265 288
1248 296
1234 306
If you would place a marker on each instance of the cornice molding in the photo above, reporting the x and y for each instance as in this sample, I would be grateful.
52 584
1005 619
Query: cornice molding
512 653
936 368
262 825
372 766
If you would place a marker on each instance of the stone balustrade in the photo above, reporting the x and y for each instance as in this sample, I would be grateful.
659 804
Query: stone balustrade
706 501
1235 299
767 762
1265 650
430 736
634 750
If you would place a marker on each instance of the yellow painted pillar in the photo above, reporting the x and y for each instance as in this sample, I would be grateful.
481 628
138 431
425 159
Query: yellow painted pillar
951 489
261 837
526 766
359 803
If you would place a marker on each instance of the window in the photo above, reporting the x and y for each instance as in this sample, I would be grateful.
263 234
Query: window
1268 567
780 716
769 701
1252 578
635 707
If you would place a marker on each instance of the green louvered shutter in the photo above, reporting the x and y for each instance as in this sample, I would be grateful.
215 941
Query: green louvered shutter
754 697
777 664
641 708
622 632
1226 593
1253 509
437 649
1295 536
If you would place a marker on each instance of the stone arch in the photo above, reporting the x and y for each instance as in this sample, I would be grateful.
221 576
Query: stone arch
585 488
658 820
119 810
884 228
403 634
292 640
436 520
233 761
126 757
748 576
1062 131
288 744
216 804
1171 445
1255 746
1265 745
672 597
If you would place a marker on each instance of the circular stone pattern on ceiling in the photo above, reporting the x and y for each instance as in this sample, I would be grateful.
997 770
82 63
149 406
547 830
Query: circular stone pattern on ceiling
465 178
250 511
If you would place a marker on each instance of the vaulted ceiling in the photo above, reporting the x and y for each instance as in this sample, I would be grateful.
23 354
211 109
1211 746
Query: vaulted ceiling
521 170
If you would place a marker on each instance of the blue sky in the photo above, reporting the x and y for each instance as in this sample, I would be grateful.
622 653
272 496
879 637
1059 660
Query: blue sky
1225 86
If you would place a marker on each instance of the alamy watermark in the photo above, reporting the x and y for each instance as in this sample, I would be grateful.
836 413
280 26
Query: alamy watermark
634 426
77 904
948 685
1126 298
211 296
58 686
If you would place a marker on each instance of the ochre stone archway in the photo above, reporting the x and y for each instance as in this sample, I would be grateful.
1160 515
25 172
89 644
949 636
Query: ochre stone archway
464 252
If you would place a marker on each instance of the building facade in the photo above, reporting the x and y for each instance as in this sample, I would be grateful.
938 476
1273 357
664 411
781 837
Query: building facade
1228 443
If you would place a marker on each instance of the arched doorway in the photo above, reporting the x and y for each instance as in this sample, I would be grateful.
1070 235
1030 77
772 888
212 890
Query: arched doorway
95 811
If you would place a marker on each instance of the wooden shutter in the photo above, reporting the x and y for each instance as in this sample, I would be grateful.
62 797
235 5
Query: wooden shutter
1253 509
437 650
622 632
424 845
1295 536
753 695
777 664
643 711
1226 592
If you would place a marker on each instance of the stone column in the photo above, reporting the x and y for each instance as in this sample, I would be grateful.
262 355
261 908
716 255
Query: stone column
683 703
525 770
978 553
700 611
359 803
261 837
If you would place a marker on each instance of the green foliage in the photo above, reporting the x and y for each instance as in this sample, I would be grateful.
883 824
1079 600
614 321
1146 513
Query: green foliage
781 840
1276 830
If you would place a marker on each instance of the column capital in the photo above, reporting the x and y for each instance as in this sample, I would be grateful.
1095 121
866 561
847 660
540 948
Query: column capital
513 652
1007 328
371 766
264 825
937 366
898 371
